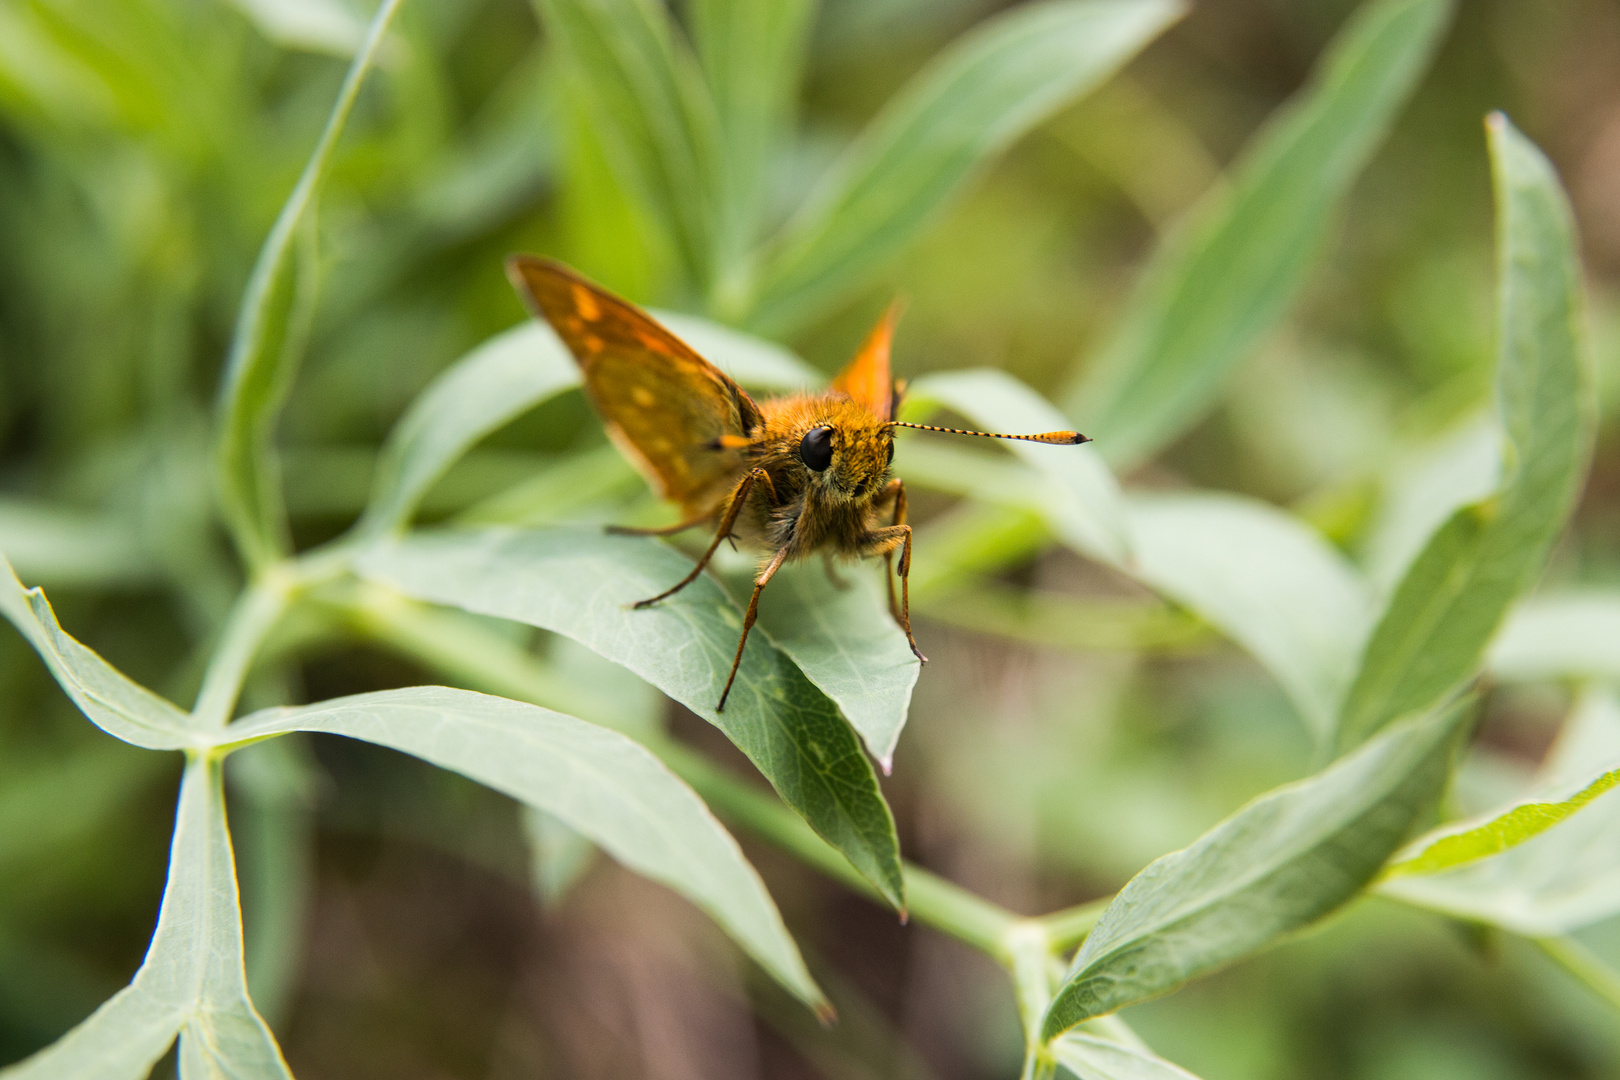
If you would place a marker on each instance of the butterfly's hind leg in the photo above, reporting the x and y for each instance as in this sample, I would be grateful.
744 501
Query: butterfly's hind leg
760 582
895 491
733 507
662 530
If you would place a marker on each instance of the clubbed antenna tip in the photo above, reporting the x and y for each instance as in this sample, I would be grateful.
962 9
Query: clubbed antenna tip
1055 438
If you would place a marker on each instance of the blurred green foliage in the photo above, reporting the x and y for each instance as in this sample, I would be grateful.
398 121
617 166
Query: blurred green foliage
1313 332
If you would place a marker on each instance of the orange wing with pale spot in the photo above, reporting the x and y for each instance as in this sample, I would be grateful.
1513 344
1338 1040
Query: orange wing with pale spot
665 406
867 379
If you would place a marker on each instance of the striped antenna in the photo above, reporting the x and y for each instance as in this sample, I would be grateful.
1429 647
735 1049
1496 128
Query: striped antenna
1056 438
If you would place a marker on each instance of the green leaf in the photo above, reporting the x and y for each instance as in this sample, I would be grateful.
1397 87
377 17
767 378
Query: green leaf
1431 636
558 856
581 583
1092 1057
1557 870
266 344
1572 635
1279 864
191 981
1082 503
1269 582
1229 274
752 55
847 643
112 701
1460 845
647 104
970 103
323 26
600 783
70 547
504 377
1461 467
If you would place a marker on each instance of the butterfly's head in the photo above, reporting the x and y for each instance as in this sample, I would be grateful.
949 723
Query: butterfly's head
844 449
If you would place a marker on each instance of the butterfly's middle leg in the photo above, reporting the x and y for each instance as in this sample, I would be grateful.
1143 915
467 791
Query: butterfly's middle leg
760 582
733 507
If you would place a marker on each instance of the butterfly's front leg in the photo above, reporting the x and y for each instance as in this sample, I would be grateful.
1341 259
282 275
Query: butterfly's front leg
728 518
760 582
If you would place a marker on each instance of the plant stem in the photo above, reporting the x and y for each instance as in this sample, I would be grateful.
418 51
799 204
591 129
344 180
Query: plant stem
1068 928
933 901
1587 969
255 612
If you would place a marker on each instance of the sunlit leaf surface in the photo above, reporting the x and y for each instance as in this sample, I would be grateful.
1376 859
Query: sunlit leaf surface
600 783
1455 593
1279 864
581 583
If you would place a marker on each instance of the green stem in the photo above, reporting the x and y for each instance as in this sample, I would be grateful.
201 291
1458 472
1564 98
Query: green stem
1587 969
255 612
933 901
1066 929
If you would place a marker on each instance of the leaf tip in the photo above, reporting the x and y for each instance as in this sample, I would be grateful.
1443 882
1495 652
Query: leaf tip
825 1013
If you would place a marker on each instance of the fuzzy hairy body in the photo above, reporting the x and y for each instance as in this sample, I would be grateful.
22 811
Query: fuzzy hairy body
835 511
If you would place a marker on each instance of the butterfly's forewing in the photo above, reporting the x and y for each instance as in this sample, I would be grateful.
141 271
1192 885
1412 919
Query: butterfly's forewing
867 379
663 404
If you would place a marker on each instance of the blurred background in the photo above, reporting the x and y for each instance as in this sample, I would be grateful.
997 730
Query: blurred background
395 924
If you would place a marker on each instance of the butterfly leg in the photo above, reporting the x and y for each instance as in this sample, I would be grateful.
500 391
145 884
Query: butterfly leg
734 505
760 582
895 490
664 530
883 542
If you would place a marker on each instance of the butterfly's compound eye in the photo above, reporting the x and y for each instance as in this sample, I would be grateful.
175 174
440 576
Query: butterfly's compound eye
891 451
816 448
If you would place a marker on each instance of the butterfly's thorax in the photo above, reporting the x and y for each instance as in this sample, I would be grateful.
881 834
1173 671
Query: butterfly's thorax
802 509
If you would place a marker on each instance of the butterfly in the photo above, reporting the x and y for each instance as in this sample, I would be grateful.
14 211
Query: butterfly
795 475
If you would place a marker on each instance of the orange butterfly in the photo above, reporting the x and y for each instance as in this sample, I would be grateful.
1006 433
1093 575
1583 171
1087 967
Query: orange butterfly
795 475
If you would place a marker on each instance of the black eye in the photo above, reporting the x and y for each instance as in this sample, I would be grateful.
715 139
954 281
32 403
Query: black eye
816 448
891 453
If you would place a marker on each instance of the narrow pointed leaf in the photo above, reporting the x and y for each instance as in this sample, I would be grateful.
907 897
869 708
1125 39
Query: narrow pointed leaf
581 583
504 377
752 55
647 104
1279 864
969 104
1433 632
600 783
1230 272
1083 503
192 981
1091 1057
264 347
1557 866
113 702
1268 581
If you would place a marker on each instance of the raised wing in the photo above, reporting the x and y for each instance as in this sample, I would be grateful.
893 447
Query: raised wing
676 416
867 379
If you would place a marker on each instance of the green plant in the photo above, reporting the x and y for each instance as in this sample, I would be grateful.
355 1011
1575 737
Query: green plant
682 136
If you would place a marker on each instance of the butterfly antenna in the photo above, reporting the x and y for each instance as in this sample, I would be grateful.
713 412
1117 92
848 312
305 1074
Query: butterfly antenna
1056 438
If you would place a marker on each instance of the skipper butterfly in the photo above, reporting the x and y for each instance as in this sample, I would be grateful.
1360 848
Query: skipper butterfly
793 475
